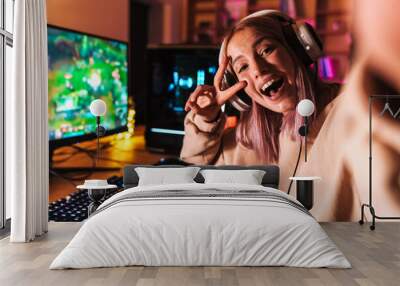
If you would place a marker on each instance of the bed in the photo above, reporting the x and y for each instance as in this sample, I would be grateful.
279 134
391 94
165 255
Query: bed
198 224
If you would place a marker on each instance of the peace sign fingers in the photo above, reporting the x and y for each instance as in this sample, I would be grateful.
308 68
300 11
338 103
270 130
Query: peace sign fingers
225 95
219 75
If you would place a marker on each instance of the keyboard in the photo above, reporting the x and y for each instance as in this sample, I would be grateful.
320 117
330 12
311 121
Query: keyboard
74 207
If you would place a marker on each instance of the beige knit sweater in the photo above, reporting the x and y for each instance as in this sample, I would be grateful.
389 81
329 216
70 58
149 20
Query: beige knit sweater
337 152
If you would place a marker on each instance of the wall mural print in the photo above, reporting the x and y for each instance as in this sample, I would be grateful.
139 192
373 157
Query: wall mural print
265 70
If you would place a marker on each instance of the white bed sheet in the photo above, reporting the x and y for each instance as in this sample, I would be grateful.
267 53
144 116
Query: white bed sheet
200 232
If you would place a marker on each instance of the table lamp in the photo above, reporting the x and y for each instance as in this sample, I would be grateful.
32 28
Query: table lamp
98 108
305 108
304 185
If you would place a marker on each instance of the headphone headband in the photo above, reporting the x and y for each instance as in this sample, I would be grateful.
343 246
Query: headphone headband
269 12
302 39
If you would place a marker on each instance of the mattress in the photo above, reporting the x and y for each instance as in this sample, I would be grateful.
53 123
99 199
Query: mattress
201 225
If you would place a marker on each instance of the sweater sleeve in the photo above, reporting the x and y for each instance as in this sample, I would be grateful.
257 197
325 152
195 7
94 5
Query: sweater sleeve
202 140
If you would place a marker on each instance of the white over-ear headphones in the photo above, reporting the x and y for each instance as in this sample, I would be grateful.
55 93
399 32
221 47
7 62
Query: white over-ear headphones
303 40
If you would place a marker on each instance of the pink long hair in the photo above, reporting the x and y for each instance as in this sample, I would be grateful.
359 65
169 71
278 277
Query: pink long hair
259 127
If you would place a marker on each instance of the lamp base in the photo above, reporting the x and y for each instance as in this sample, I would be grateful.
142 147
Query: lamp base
305 193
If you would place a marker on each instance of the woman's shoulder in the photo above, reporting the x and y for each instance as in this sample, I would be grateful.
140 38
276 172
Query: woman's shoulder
335 101
327 109
327 94
330 97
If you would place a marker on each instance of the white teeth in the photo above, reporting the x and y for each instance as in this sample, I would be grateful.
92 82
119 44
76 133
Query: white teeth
266 85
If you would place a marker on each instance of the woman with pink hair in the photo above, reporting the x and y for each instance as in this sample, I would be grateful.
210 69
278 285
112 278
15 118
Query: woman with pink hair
275 78
274 75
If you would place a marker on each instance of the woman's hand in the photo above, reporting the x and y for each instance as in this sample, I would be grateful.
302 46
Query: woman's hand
206 100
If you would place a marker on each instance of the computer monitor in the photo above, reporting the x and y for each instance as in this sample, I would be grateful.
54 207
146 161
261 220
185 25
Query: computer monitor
84 67
174 72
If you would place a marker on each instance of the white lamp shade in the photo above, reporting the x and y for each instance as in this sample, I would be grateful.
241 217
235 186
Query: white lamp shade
305 107
98 107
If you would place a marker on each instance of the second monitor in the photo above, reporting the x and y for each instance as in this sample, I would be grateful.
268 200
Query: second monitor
174 73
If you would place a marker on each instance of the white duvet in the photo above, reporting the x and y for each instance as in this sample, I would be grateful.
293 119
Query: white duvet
192 231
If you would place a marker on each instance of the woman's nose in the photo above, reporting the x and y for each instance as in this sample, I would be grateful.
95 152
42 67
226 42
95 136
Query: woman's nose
259 67
257 71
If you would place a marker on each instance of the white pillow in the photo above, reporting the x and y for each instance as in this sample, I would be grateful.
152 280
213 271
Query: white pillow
248 177
163 176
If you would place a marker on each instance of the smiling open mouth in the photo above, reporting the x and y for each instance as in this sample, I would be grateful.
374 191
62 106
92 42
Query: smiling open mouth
272 87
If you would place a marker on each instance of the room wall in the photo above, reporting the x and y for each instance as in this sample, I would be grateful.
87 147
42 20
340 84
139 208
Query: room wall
167 18
167 21
100 17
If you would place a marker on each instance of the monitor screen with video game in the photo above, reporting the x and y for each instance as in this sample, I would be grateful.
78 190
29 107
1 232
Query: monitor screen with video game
81 68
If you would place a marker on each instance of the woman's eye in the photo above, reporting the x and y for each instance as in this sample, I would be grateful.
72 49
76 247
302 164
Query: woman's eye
242 68
266 51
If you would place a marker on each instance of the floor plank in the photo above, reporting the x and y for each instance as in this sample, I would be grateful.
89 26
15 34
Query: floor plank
375 257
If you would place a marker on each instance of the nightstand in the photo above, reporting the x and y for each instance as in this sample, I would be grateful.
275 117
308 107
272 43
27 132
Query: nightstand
305 190
97 191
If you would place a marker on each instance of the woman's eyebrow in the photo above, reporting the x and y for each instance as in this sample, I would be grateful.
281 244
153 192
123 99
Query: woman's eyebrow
254 45
258 41
236 59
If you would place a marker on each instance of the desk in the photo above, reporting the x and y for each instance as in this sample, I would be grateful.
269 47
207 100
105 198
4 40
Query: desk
117 153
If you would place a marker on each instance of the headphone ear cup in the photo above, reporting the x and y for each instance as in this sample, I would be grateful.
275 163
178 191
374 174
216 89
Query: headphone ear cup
293 41
304 41
241 101
314 36
229 79
310 41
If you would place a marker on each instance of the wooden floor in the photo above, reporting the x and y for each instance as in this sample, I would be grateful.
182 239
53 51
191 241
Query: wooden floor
374 255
